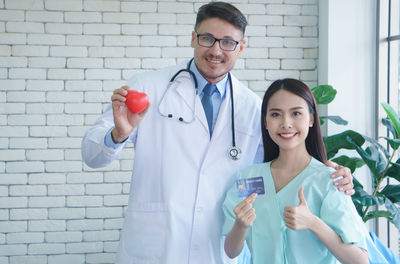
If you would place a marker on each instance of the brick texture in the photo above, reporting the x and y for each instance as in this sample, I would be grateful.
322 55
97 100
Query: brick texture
59 63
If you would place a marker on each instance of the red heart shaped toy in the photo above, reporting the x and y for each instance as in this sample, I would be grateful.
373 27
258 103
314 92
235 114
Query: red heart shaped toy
136 101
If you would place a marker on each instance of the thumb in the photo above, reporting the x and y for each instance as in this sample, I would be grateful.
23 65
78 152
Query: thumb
251 198
302 198
331 164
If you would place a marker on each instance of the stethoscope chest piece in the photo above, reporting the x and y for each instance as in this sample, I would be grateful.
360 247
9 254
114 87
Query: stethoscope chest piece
235 153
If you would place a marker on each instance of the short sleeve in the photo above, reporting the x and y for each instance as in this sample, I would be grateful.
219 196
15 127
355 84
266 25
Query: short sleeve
339 213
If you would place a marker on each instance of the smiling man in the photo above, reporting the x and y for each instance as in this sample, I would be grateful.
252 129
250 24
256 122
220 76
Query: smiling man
201 128
215 61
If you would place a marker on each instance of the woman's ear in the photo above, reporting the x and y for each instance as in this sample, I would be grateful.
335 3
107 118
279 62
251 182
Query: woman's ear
311 120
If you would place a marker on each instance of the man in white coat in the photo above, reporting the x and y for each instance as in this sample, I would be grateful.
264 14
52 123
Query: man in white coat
182 166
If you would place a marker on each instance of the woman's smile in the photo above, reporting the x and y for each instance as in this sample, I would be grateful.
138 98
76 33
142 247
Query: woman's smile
288 135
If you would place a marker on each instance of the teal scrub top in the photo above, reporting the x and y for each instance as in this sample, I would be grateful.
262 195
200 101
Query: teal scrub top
270 241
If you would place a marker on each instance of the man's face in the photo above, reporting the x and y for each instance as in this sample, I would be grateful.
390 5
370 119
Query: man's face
214 63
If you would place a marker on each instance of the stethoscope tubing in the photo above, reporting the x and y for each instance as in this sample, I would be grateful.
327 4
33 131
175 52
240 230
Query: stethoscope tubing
190 72
234 152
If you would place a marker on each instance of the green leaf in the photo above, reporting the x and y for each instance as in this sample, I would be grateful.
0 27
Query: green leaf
377 145
374 160
336 142
375 214
394 170
395 212
321 121
380 161
335 119
393 117
351 163
386 122
359 207
324 94
392 192
394 143
364 198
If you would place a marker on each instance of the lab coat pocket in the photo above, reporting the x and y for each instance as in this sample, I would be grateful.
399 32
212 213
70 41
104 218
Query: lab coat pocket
146 231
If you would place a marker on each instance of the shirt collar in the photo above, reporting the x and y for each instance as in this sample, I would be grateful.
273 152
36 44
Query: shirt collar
221 85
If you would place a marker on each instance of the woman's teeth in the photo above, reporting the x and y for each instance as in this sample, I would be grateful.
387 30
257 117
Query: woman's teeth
286 135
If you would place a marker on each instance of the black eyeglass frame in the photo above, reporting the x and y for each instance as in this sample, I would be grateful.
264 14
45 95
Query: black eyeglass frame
215 40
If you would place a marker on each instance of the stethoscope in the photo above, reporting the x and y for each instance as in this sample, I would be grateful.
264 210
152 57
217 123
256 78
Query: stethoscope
234 152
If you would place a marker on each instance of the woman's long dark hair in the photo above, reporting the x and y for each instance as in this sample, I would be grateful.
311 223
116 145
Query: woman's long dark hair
314 143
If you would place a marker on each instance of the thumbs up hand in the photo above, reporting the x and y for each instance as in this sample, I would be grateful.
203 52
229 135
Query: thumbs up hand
298 217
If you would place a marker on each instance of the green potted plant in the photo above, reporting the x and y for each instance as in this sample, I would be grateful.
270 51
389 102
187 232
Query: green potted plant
379 158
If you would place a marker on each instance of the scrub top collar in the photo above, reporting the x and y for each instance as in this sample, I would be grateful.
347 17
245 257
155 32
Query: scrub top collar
221 85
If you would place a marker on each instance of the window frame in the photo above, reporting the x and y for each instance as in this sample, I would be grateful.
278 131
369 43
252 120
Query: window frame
388 45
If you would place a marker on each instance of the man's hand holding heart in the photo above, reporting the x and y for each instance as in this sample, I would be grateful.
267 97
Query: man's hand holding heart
129 108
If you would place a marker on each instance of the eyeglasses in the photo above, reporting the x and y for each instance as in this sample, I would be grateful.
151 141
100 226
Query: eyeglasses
208 41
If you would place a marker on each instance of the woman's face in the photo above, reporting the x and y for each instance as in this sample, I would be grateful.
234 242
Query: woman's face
288 120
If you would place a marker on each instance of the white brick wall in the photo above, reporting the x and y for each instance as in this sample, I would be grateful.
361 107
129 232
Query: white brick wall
59 62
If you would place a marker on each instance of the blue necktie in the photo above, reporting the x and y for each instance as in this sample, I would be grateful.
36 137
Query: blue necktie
207 104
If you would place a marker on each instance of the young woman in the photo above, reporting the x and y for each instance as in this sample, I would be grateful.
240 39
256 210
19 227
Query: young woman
302 217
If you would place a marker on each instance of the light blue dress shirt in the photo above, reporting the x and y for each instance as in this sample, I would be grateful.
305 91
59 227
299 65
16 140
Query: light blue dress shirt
216 98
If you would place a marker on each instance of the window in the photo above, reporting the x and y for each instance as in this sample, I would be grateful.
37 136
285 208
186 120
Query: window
388 88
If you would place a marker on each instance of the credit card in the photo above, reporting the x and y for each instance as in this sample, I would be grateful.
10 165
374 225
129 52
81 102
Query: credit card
248 186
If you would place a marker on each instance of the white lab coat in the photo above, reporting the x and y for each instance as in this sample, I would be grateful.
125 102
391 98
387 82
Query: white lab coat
179 176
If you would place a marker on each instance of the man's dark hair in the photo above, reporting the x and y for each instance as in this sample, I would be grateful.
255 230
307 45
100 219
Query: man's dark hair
224 11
